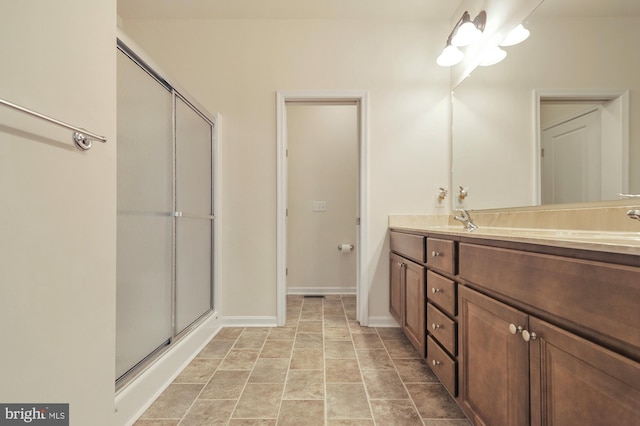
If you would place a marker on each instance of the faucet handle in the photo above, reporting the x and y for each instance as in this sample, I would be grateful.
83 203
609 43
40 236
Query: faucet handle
462 193
634 214
442 193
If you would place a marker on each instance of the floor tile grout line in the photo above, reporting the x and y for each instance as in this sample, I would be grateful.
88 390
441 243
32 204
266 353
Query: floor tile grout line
324 370
286 376
248 377
186 413
360 370
395 368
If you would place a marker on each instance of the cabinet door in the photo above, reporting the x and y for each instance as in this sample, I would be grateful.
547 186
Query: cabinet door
494 364
396 291
415 305
576 382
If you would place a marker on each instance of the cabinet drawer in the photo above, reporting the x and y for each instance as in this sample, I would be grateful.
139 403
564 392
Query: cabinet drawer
408 245
600 299
442 292
441 254
443 366
442 328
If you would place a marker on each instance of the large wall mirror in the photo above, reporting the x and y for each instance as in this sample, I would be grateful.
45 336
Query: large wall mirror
557 121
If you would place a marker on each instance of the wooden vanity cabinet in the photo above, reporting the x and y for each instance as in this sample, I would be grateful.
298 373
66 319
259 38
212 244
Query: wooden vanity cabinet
516 368
442 326
396 287
407 301
422 299
494 364
576 382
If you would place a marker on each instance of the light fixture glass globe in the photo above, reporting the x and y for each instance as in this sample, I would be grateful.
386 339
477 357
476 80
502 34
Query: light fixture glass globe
515 36
451 55
493 56
466 34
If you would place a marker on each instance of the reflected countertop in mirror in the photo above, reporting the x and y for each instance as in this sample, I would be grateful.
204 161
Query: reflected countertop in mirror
579 50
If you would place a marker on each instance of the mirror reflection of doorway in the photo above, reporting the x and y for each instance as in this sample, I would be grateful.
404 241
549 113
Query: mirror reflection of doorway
571 163
583 151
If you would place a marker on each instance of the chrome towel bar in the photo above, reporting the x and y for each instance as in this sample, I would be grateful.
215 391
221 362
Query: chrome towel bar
81 137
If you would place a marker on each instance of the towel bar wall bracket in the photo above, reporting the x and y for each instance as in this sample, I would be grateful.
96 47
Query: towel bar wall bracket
81 137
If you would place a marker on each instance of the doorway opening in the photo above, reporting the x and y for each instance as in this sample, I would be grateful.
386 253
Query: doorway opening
359 220
582 149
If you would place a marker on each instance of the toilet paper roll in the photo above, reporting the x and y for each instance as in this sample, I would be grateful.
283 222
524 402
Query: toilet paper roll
345 248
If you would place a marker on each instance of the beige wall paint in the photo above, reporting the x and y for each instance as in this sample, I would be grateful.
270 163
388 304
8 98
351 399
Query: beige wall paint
57 234
322 141
235 67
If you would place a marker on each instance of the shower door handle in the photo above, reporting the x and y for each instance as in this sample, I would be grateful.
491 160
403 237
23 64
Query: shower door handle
193 216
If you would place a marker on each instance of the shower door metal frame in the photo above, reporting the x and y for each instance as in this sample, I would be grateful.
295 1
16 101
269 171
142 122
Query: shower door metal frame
127 48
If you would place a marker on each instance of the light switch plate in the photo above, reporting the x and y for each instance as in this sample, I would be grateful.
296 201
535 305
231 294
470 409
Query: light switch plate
319 206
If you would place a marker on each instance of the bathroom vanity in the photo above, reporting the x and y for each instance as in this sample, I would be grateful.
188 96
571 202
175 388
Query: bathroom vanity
524 326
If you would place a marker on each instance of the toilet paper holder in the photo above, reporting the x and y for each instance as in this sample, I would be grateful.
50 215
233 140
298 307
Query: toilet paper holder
345 247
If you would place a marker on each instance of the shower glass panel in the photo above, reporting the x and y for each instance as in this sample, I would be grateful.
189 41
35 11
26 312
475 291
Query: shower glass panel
193 226
144 222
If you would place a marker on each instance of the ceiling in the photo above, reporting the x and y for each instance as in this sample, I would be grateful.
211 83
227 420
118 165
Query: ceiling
287 9
348 9
589 8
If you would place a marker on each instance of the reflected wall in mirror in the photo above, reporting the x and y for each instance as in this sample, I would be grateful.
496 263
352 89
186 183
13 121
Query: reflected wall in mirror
579 50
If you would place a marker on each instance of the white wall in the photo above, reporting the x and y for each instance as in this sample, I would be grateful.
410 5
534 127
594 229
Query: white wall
235 67
57 234
322 142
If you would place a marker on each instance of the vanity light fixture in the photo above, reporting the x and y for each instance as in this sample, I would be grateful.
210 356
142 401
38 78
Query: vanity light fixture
464 33
515 36
451 55
467 31
493 56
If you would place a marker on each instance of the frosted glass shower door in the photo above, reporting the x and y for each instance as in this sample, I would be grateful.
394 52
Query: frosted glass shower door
194 217
144 221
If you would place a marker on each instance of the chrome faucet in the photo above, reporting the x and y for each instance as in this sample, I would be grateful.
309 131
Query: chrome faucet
465 218
634 214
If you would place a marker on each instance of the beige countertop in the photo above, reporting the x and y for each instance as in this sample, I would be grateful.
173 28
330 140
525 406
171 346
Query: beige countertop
598 240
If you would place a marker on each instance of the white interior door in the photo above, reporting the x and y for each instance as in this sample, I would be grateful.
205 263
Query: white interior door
571 160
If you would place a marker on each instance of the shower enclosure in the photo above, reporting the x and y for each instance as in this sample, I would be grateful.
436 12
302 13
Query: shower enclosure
164 218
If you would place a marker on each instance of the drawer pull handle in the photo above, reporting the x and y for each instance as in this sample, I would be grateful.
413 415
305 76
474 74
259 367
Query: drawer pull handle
515 329
435 254
435 290
527 335
435 363
435 326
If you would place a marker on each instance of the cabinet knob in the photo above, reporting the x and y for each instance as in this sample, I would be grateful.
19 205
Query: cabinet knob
515 329
435 254
527 335
435 363
435 326
435 290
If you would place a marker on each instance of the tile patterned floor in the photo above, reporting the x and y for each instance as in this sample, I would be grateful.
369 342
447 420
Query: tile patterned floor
322 368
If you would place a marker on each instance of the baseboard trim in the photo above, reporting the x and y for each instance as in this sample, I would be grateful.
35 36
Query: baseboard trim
385 321
250 321
133 399
323 291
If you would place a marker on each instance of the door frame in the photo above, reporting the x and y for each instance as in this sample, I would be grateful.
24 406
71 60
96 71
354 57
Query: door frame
315 96
596 96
